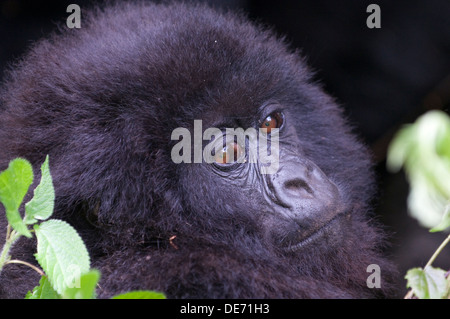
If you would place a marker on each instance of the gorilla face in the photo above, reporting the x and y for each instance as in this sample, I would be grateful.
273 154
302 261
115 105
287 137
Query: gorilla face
292 198
279 182
176 124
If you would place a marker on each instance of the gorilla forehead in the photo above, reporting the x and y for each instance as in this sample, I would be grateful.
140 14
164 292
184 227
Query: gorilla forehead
160 56
192 60
213 68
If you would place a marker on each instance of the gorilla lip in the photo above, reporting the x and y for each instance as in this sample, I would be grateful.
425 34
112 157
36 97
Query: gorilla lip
322 231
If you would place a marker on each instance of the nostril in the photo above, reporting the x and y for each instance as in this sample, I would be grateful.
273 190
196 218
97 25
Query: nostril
297 184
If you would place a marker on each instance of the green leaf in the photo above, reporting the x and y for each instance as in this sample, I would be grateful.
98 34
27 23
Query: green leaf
41 206
425 204
445 222
428 283
43 291
61 254
400 148
14 184
140 294
86 287
423 149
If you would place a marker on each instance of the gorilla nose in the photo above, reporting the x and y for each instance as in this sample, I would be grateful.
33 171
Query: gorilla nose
296 186
310 204
306 191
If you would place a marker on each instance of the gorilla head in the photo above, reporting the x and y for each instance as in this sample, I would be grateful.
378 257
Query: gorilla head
134 110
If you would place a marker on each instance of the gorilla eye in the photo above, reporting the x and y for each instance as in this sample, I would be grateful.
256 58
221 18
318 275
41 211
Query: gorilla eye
229 154
274 120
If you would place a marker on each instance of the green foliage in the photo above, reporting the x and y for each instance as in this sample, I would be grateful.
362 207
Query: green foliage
43 291
61 253
41 205
140 294
14 184
85 289
60 250
423 150
428 283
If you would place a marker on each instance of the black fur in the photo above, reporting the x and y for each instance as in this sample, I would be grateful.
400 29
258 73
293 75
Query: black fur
102 101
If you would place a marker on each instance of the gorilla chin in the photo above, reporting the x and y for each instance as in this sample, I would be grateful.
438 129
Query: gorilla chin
328 236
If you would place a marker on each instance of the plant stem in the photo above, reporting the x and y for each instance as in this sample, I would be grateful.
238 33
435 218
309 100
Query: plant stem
10 240
409 294
437 252
8 232
37 269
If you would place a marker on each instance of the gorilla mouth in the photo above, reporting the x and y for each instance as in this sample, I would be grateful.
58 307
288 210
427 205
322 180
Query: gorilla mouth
330 230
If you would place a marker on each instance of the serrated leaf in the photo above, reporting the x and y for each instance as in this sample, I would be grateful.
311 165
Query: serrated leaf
61 253
428 283
14 184
43 201
86 287
140 294
43 291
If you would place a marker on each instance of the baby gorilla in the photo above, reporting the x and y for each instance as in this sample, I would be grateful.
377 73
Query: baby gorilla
108 101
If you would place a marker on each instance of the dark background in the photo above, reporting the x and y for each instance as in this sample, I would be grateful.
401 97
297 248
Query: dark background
383 77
